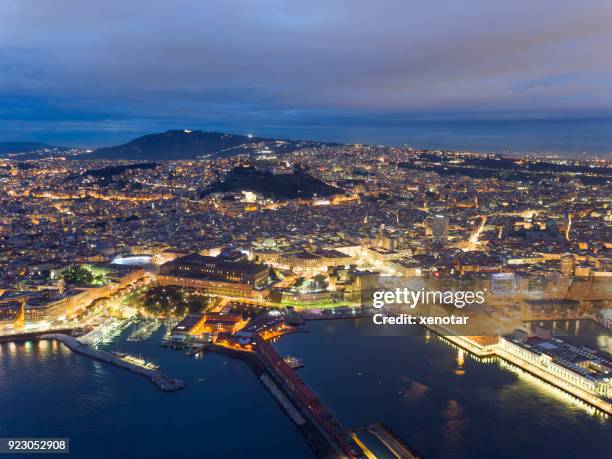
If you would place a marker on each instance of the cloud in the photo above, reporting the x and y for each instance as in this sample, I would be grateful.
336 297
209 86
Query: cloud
273 60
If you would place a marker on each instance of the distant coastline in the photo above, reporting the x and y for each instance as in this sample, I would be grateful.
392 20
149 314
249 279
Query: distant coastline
566 138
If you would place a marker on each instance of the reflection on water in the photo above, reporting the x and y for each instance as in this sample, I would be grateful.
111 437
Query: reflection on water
550 390
413 383
48 391
443 401
460 361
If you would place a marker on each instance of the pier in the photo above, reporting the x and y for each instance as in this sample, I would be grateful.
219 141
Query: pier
336 436
158 378
309 316
487 349
565 386
479 347
324 434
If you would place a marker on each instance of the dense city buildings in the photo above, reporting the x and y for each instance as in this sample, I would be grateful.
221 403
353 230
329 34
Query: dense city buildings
232 252
389 212
332 229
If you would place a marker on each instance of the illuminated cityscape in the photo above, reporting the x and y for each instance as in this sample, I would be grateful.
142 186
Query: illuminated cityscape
336 230
92 247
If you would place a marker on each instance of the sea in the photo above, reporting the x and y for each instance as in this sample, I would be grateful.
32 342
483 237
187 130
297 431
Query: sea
441 401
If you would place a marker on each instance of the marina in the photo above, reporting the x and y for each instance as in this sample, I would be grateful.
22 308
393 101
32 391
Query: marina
138 361
45 378
145 330
106 332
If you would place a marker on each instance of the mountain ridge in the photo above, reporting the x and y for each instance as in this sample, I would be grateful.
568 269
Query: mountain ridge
187 144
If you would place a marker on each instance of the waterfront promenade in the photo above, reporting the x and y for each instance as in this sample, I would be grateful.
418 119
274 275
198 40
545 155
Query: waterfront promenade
158 378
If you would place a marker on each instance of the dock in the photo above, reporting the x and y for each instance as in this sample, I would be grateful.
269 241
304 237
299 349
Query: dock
495 351
338 439
158 378
308 317
468 343
592 400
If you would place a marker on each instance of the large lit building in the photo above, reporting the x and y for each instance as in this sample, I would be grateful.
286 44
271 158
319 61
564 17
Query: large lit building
33 308
576 365
216 275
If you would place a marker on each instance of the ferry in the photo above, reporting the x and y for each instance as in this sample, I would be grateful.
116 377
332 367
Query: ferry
294 362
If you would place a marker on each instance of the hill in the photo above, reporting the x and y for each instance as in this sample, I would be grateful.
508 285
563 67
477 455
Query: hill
194 144
290 186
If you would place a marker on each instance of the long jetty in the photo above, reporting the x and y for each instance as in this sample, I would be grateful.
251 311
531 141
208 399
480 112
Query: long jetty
158 378
336 436
326 437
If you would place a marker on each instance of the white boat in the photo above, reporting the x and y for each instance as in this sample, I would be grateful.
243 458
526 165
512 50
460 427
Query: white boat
138 361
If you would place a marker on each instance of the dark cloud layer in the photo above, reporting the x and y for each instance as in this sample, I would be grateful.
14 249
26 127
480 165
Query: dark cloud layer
71 68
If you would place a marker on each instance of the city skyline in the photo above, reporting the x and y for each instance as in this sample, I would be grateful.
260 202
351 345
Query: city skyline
274 255
338 229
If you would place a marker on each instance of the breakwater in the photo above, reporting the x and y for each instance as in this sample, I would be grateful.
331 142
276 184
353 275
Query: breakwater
158 378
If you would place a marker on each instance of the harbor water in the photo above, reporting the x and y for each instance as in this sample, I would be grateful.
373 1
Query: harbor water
224 411
439 400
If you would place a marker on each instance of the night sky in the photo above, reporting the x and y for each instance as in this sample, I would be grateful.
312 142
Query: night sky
533 75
